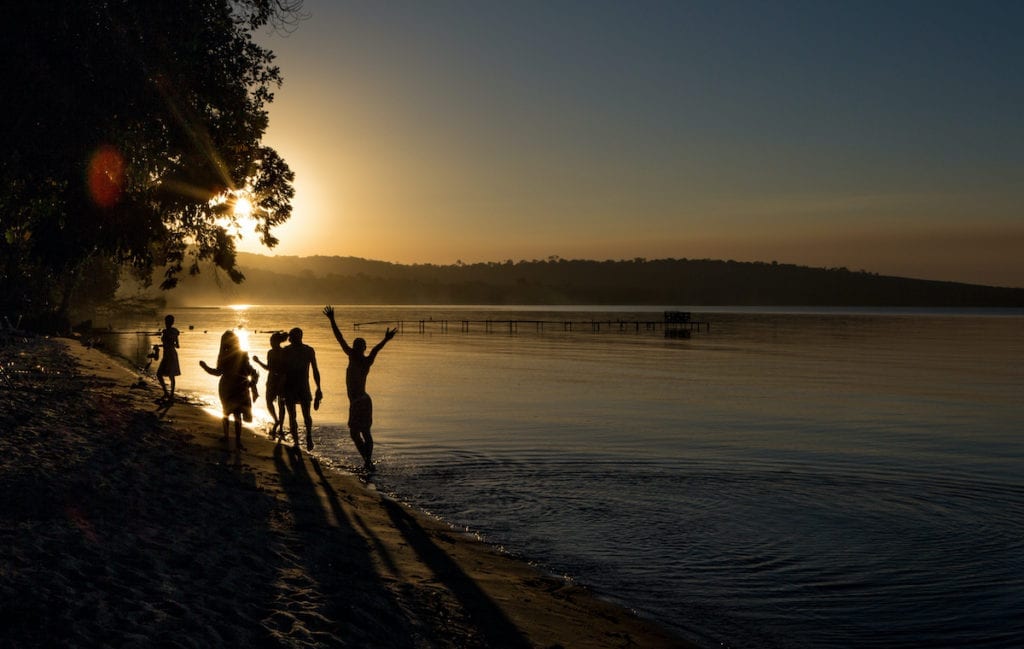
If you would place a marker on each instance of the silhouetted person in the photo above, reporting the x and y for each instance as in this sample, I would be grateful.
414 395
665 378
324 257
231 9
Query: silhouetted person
236 377
298 359
360 406
169 366
275 379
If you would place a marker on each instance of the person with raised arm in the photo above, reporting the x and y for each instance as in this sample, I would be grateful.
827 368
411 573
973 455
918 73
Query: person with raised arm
360 406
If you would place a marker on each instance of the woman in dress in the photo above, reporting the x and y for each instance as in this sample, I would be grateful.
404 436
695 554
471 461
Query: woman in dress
169 367
236 378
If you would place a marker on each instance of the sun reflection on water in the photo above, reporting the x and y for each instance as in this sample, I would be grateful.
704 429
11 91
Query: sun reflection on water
240 328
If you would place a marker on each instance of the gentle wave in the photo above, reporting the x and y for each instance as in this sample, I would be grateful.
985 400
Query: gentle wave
869 554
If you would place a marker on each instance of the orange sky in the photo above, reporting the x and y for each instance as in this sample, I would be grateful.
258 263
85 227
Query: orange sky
839 136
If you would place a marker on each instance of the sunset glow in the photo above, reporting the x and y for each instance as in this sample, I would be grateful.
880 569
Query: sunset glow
694 130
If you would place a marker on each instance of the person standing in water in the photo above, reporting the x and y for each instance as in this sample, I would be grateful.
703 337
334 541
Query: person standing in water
360 408
298 358
236 378
169 367
275 378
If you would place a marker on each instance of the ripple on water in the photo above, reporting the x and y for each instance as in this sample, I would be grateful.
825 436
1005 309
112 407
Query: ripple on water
750 552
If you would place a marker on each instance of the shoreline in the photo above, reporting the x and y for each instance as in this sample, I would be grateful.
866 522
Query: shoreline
132 523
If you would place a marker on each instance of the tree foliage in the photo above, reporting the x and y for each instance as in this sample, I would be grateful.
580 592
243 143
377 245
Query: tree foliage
129 126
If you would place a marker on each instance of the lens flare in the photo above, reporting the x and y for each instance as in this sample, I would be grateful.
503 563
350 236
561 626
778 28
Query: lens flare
105 176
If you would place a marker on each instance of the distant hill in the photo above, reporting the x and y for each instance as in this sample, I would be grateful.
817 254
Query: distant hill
704 282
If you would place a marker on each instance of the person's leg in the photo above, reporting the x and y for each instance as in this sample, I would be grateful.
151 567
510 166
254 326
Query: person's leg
368 445
364 444
224 422
293 424
238 431
357 439
163 385
360 418
307 419
172 387
271 398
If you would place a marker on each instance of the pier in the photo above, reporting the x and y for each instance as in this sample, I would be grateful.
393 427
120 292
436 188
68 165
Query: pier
674 324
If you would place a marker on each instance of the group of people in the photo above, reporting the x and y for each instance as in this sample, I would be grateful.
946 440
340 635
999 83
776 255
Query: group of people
287 387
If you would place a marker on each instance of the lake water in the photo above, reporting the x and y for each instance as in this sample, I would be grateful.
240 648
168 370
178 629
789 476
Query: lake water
814 479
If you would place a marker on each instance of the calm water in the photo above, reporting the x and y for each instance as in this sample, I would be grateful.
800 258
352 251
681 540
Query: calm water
844 479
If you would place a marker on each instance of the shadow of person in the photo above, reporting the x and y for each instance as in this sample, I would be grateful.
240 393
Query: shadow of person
348 598
162 406
354 519
490 621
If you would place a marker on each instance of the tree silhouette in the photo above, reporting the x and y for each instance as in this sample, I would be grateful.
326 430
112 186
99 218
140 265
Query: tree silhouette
129 128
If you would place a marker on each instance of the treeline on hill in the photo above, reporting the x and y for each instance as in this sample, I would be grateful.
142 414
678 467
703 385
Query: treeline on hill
350 280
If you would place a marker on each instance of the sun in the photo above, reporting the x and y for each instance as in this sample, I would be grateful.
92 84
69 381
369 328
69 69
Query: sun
243 207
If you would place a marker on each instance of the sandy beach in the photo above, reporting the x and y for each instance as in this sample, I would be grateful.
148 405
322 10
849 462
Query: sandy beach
127 523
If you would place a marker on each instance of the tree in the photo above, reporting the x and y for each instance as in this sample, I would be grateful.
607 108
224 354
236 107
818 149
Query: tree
129 129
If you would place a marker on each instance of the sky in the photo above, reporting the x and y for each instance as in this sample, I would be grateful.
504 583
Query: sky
878 136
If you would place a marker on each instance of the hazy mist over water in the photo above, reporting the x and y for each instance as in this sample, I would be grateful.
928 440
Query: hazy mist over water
845 478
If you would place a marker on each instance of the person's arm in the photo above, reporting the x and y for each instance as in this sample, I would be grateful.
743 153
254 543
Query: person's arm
316 379
329 312
256 359
388 335
216 371
316 370
254 378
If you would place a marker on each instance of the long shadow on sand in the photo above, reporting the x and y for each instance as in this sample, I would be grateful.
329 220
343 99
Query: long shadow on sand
351 604
118 531
488 619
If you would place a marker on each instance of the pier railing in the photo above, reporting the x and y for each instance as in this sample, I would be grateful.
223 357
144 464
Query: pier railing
672 327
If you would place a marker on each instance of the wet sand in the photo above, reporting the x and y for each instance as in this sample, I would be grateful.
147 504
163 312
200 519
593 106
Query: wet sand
128 523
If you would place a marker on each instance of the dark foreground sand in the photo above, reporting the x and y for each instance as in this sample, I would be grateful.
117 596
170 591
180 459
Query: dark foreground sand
126 525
